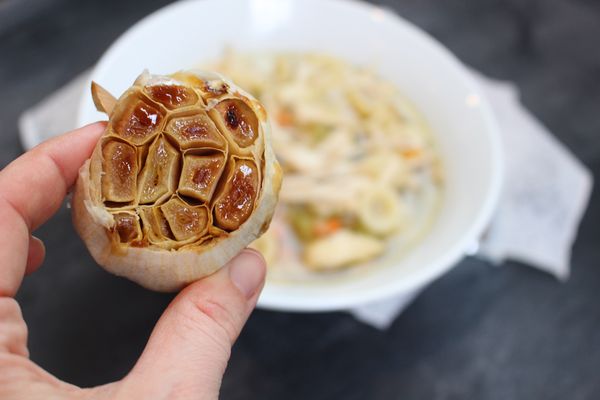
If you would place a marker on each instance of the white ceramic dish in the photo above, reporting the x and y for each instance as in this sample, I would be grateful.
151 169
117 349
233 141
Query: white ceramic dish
188 33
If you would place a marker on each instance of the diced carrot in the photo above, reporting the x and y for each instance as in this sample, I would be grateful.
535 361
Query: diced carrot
327 227
285 117
411 153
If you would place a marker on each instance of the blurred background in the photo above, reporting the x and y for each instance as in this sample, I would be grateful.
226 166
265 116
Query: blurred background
478 332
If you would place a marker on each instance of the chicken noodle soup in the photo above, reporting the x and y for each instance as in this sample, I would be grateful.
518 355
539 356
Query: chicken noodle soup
362 173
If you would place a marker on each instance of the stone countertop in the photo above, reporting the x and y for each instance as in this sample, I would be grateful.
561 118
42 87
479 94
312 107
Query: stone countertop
479 332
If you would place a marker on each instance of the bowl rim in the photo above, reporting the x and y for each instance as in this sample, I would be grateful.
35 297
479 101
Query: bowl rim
419 278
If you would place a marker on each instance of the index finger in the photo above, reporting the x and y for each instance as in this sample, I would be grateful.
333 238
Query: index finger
32 188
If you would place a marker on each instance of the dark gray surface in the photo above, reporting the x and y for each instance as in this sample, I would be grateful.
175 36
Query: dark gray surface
477 333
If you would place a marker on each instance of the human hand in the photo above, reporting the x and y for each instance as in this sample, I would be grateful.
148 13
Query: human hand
188 350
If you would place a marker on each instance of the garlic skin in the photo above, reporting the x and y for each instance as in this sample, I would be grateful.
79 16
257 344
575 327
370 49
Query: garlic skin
172 265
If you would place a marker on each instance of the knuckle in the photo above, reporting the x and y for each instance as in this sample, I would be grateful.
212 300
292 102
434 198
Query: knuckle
200 324
9 308
215 318
220 315
14 368
13 330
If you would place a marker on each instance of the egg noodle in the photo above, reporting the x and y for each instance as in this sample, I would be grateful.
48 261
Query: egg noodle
360 164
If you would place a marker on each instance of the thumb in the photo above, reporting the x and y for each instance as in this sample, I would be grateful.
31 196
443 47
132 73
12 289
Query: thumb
188 350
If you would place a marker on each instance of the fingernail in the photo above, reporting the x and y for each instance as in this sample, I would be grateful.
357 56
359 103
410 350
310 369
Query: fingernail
247 272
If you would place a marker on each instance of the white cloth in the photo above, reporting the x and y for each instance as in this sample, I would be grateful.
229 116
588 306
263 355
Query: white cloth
545 193
54 115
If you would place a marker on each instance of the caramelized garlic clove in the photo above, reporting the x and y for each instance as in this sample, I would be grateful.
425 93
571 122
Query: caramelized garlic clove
120 172
127 227
210 84
186 221
159 176
171 96
200 175
137 121
237 118
155 224
214 88
236 201
195 131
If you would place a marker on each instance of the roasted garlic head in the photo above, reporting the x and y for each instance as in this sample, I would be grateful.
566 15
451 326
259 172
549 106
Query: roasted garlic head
183 178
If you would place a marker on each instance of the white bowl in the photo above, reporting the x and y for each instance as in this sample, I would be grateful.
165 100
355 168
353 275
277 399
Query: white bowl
187 33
